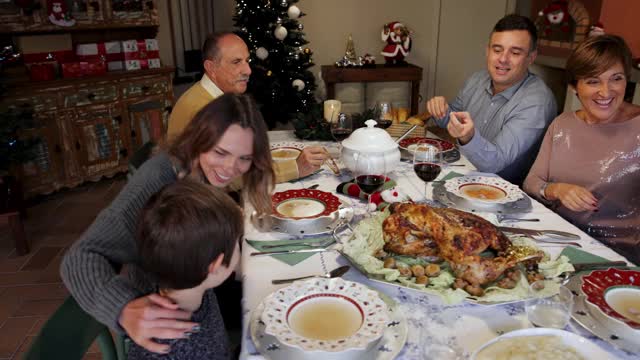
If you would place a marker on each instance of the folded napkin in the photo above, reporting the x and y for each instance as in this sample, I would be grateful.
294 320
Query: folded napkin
352 189
577 256
290 259
450 176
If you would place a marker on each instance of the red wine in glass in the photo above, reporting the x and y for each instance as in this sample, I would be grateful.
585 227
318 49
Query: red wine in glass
340 134
370 183
383 123
427 171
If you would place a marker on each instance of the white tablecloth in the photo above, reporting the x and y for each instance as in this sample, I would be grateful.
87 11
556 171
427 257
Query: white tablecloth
463 327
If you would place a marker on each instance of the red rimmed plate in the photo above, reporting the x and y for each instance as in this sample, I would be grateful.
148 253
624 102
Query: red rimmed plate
602 288
304 204
408 142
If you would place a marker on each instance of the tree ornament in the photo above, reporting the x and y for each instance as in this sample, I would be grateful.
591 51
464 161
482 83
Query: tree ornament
293 12
300 26
269 73
280 32
307 51
298 84
284 3
262 53
279 21
350 52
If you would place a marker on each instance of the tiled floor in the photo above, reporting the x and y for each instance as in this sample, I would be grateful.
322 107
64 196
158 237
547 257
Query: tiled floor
30 285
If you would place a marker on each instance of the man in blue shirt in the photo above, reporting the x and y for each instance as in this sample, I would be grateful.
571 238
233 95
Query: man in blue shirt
500 115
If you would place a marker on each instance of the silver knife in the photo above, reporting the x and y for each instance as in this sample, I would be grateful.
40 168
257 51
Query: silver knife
598 265
280 252
551 233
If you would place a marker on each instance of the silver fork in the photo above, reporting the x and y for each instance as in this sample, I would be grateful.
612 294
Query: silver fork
314 244
502 218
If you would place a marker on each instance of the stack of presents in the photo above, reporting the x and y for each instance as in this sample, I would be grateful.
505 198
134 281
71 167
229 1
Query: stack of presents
52 56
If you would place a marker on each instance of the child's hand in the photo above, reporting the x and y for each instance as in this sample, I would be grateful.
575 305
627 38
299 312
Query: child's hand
154 316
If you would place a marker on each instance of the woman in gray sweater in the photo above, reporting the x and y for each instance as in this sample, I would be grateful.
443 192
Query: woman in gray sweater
225 144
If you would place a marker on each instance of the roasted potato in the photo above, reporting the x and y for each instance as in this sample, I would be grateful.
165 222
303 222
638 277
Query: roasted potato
389 263
432 270
422 280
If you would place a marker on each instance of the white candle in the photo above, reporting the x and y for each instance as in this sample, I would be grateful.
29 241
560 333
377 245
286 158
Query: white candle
332 110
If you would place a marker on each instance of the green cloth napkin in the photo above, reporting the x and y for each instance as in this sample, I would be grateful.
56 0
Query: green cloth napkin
577 256
290 259
451 175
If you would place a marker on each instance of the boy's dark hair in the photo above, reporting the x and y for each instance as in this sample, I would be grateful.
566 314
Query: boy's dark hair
518 22
184 228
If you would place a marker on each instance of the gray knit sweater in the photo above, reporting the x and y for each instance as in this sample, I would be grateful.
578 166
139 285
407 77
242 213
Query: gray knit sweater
91 267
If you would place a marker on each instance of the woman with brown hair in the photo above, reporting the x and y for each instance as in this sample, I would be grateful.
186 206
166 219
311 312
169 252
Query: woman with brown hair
224 144
588 167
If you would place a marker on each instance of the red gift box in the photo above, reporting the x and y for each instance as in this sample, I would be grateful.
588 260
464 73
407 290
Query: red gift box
42 72
51 56
141 54
111 52
83 68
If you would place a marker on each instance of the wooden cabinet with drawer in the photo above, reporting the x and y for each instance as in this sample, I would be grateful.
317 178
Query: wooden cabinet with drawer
101 140
45 171
88 128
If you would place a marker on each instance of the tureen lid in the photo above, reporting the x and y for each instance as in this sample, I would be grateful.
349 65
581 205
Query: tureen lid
370 138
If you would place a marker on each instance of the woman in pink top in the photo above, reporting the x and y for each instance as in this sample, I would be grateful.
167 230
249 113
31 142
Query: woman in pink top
588 167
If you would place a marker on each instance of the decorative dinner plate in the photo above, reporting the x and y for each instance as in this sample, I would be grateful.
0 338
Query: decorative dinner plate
614 293
446 198
286 150
485 189
304 204
410 143
583 347
387 348
327 315
583 316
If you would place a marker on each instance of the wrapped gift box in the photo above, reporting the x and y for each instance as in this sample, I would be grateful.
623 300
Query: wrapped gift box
83 68
111 52
141 54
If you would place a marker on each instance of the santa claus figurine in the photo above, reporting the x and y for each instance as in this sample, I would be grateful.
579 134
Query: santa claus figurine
398 41
58 14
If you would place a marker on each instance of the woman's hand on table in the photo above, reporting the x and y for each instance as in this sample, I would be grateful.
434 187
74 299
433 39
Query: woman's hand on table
573 197
310 160
154 316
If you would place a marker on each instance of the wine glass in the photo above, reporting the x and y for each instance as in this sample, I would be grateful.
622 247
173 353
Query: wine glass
370 173
384 114
427 162
342 127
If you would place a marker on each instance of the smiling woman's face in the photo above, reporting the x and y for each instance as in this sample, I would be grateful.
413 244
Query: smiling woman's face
602 95
230 158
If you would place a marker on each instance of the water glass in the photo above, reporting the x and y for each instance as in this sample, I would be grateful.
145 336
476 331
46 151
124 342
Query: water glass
549 311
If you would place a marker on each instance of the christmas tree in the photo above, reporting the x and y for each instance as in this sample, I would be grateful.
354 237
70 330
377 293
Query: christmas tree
280 80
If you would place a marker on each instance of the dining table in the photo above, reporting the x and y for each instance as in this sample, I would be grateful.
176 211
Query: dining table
433 325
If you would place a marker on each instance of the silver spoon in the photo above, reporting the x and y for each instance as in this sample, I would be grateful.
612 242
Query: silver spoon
331 274
502 218
569 243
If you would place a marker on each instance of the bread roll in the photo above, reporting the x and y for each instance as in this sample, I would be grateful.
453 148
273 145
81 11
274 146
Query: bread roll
403 113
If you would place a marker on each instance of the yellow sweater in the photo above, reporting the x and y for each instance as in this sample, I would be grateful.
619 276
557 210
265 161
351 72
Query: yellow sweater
192 101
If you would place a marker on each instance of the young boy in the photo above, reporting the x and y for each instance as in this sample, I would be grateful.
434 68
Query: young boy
188 242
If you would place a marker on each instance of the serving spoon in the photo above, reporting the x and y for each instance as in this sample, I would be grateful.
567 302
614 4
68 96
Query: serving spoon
338 272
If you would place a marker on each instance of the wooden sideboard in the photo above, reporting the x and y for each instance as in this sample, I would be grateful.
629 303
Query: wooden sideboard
89 127
89 15
332 74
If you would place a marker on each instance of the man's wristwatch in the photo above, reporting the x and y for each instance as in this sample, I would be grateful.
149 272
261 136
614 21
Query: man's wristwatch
542 189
